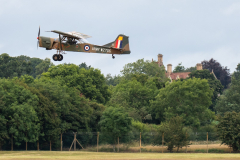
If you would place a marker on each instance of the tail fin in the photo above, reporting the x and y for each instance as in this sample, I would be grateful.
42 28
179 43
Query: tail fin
121 42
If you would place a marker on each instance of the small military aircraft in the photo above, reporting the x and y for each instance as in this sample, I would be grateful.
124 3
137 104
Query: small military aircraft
76 42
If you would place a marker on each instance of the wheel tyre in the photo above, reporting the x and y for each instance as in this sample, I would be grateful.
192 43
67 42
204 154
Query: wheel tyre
55 57
60 57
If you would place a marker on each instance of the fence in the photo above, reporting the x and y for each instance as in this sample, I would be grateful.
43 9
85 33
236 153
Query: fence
203 142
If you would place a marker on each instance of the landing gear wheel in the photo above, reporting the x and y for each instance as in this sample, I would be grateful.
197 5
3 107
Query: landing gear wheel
60 57
113 56
55 57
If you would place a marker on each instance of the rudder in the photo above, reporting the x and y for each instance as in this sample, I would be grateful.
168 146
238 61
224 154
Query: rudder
122 42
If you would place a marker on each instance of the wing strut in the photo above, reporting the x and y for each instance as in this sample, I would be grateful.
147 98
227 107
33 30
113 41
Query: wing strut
60 42
58 56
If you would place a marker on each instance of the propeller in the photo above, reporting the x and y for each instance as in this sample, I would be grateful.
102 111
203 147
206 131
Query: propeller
38 37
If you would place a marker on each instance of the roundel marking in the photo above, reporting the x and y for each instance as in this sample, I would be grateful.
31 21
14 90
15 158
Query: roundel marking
86 47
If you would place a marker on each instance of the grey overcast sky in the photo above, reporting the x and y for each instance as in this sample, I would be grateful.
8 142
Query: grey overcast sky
187 31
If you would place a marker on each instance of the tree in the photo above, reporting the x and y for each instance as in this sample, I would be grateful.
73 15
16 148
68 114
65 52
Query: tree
46 111
12 67
18 112
3 130
214 84
143 67
91 83
135 97
179 68
17 66
190 69
229 129
175 135
23 123
222 73
236 73
185 98
115 123
230 100
72 109
84 65
95 116
43 66
113 80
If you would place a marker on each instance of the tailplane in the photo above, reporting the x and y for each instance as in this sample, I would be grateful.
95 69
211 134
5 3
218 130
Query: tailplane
122 42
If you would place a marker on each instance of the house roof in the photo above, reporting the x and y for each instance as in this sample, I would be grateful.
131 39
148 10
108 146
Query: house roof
178 75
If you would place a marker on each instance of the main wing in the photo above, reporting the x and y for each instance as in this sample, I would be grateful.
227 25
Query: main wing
76 35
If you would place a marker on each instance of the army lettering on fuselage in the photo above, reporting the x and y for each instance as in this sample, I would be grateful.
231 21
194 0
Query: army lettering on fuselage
99 49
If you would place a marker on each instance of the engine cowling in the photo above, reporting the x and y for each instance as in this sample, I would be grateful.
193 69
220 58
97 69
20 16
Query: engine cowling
46 42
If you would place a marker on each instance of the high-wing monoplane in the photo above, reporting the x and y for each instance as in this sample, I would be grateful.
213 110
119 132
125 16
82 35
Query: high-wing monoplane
75 41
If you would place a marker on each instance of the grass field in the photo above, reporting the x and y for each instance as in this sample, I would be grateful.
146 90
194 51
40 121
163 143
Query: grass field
196 148
80 155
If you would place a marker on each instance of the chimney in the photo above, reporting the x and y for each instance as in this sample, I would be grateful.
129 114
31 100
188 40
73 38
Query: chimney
169 69
160 60
199 66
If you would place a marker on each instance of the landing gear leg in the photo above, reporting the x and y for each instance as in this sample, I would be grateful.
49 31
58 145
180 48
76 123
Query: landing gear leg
113 56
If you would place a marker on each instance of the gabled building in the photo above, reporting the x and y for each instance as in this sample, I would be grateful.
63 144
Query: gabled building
177 75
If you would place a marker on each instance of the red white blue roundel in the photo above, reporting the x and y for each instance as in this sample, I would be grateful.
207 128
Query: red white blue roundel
86 47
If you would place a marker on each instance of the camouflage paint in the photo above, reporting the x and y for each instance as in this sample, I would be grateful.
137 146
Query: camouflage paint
53 43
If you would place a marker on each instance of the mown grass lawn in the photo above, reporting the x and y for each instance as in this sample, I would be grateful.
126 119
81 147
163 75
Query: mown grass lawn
66 155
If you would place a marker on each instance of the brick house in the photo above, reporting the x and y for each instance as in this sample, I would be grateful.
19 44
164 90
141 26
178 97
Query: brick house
177 75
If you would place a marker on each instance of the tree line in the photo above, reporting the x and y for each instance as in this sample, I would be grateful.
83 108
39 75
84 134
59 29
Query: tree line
39 101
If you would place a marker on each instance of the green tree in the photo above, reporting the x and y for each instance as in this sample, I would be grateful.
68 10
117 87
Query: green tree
179 68
230 99
23 123
91 83
214 84
17 106
236 73
229 129
47 112
113 80
43 66
3 130
185 98
72 109
143 67
175 135
115 123
95 116
17 66
84 65
134 97
190 69
12 67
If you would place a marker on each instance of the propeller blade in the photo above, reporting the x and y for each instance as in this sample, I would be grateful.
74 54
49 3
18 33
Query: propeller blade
38 37
39 32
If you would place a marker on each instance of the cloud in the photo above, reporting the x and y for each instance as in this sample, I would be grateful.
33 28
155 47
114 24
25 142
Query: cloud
233 8
175 10
1 46
9 7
